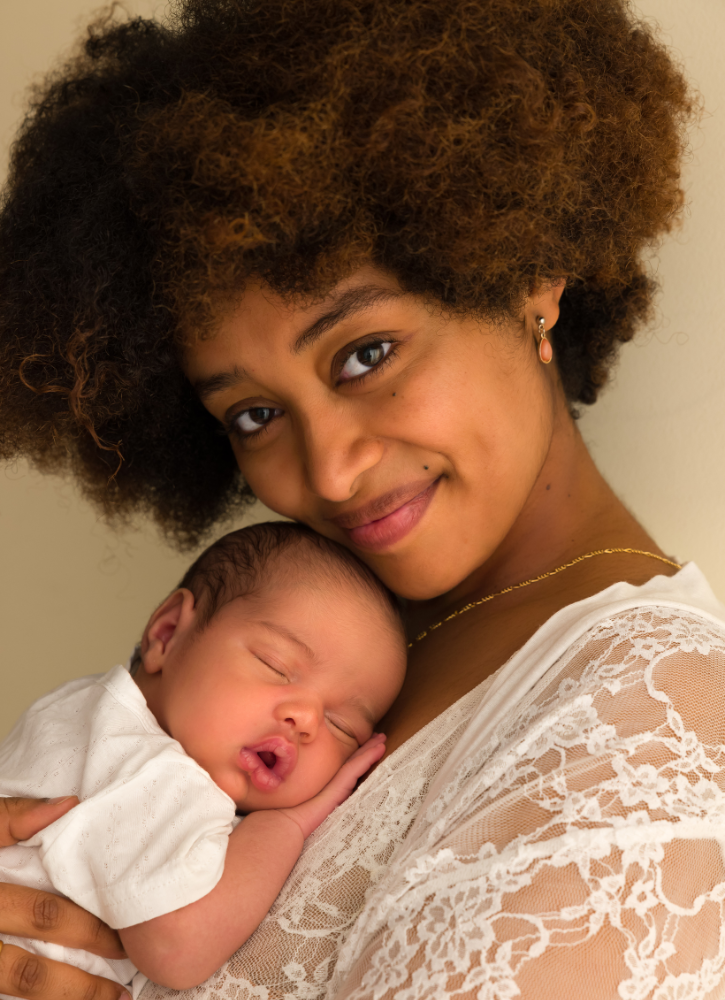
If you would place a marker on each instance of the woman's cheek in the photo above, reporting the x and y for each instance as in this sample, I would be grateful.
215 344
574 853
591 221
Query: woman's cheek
273 474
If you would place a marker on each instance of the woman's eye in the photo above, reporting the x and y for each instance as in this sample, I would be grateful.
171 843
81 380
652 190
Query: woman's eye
256 418
365 359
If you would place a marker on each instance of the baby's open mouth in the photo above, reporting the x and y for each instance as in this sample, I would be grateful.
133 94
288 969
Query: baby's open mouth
268 763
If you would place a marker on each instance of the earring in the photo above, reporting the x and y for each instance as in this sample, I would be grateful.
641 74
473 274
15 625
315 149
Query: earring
546 352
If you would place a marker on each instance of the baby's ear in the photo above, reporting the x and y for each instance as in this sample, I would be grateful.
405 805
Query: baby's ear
169 622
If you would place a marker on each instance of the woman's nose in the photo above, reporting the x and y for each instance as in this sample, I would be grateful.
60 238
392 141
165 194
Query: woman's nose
338 447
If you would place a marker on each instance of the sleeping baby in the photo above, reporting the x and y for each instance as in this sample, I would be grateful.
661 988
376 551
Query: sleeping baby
254 692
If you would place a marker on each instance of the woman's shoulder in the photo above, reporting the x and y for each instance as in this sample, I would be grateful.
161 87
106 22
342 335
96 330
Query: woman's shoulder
621 639
687 589
686 596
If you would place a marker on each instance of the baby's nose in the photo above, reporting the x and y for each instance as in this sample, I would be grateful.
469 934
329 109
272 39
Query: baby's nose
303 718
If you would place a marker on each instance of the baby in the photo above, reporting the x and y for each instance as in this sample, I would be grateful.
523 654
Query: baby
255 689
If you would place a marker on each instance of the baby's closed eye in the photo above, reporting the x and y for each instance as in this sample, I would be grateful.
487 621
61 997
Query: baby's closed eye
343 730
274 669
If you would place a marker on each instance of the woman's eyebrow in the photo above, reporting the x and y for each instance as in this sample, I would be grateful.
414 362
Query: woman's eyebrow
353 301
206 387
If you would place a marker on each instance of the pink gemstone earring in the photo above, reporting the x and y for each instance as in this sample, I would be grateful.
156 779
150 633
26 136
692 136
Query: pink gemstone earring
546 352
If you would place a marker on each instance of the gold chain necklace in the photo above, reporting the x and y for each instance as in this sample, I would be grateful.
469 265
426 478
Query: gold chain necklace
537 579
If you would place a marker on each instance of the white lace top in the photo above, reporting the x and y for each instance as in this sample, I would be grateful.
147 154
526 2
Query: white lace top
557 834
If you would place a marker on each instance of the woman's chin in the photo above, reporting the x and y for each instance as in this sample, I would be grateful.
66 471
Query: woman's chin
418 594
414 579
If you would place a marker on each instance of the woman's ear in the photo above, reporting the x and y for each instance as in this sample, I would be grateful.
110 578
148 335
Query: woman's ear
169 622
544 301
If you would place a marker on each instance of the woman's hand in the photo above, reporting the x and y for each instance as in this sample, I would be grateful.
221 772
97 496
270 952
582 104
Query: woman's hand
41 915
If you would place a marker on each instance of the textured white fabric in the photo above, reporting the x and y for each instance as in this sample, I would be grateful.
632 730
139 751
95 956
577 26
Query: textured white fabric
557 834
151 831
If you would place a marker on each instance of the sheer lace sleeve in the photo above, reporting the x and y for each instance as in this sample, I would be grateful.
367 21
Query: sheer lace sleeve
578 853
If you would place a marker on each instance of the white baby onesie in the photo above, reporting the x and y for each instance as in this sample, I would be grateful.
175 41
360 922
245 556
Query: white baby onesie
150 834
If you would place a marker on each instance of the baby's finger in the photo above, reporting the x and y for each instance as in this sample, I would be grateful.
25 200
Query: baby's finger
376 740
375 748
361 762
343 783
35 978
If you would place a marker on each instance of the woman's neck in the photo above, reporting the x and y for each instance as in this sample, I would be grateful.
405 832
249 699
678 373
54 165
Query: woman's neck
571 510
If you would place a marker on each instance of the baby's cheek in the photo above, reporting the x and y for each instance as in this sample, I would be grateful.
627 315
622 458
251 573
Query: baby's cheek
328 762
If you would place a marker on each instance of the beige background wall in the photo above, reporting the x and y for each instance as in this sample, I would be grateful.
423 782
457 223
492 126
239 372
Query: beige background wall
74 596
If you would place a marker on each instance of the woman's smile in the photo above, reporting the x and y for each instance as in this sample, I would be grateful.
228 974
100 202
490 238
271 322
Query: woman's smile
389 518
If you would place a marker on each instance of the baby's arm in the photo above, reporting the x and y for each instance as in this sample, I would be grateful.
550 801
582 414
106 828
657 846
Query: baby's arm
183 948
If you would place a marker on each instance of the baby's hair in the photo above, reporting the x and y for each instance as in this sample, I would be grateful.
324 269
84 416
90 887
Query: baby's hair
235 565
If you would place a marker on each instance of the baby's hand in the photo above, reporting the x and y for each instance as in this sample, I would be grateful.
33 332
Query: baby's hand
308 815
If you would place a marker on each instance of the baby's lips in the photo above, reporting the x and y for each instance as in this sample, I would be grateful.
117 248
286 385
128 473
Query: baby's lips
264 778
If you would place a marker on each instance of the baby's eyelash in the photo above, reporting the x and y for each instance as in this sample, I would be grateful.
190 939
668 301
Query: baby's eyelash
280 673
350 735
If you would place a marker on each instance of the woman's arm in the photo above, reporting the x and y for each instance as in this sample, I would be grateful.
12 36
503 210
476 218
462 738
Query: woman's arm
183 948
41 915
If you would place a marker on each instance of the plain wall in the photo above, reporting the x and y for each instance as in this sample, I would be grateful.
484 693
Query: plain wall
74 596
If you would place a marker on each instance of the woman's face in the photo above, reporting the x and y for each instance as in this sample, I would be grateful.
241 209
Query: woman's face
412 437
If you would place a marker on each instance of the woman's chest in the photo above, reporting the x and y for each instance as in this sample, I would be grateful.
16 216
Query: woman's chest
453 661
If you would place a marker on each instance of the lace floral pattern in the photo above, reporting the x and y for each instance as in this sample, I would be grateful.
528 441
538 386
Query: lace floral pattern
571 848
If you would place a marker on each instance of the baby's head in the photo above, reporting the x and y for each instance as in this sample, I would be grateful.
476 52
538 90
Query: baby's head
272 662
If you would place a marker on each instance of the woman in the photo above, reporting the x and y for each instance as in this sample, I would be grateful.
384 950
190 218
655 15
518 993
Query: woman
385 249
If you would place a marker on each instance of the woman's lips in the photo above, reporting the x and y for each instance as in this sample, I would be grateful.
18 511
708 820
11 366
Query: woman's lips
268 763
380 532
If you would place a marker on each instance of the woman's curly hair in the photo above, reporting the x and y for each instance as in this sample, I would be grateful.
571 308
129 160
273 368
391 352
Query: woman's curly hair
473 148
